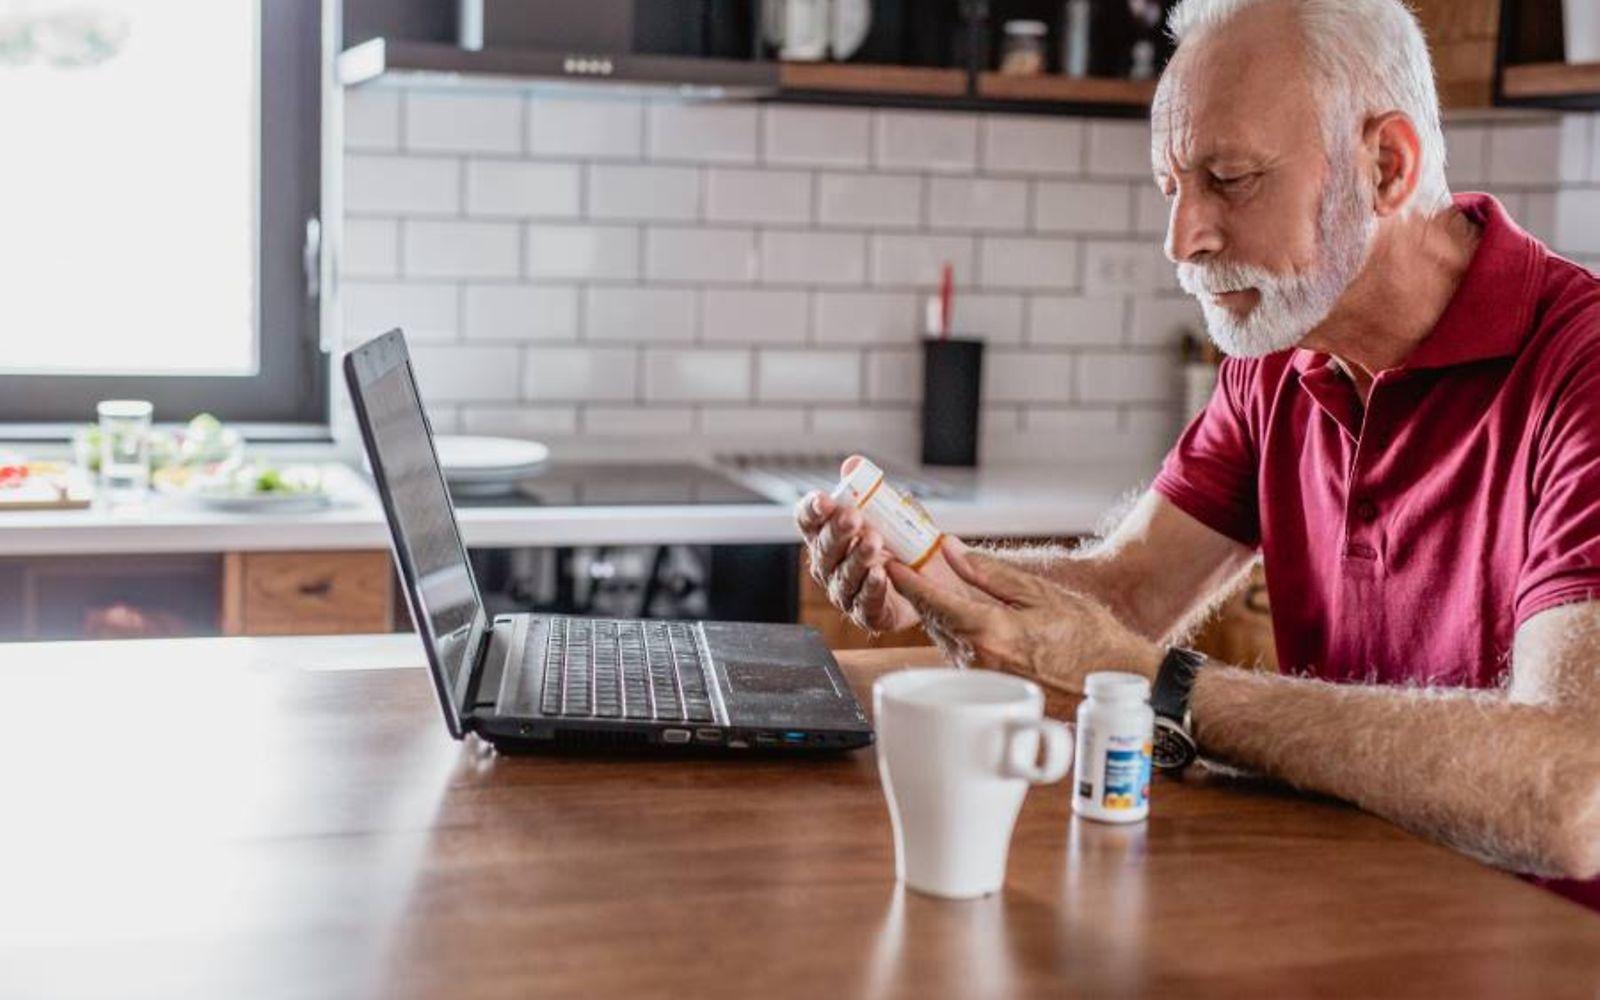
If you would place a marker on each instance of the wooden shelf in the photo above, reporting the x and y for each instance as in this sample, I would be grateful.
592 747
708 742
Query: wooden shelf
1534 81
1065 89
866 80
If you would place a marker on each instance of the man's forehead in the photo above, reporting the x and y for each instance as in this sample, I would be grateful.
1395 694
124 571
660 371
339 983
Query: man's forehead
1215 103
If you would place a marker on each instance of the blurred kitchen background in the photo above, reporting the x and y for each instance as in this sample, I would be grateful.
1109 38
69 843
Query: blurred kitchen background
700 234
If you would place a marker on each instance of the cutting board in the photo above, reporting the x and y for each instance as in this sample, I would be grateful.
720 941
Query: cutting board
70 490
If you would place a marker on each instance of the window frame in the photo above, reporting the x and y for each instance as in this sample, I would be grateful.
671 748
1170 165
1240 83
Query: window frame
288 397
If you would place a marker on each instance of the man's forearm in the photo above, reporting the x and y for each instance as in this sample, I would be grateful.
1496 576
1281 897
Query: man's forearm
1517 785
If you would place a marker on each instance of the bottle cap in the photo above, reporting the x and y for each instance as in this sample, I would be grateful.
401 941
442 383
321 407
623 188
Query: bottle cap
856 483
1111 685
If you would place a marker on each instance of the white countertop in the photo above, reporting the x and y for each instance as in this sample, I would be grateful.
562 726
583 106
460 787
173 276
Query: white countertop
995 501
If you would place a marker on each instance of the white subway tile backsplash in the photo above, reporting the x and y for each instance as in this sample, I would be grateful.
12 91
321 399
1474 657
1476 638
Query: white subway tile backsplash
766 423
1162 322
1076 321
1081 207
521 312
1018 376
1538 217
887 429
993 318
1151 210
585 127
779 196
1577 221
977 203
1127 267
865 318
926 140
370 248
918 259
371 119
529 190
817 137
639 314
1119 149
1105 377
1032 144
458 373
461 249
863 200
705 132
1027 262
1574 165
894 376
637 421
426 311
808 376
402 185
559 374
813 258
753 316
1527 154
441 122
1466 156
682 254
580 251
519 421
647 193
697 375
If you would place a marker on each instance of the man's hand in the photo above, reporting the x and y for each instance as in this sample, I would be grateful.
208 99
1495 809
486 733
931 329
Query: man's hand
847 559
1033 627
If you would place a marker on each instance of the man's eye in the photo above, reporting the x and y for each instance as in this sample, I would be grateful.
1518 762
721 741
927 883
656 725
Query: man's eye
1234 181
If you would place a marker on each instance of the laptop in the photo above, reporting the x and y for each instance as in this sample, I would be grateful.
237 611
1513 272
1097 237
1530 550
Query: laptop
547 680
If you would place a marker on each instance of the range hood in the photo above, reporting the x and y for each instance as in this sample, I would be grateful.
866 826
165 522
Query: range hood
437 64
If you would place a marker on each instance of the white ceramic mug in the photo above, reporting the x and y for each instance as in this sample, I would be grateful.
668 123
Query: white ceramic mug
957 750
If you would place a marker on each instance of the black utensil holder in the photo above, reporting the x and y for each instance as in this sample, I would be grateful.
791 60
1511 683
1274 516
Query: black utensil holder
952 382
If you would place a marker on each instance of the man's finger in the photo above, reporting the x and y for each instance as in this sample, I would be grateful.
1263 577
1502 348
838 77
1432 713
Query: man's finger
855 567
836 537
994 577
812 511
963 614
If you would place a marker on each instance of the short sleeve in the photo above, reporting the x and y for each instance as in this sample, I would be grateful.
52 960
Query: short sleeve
1211 473
1563 557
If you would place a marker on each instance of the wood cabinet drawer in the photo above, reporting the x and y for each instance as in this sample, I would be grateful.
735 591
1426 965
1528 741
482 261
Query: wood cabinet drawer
307 593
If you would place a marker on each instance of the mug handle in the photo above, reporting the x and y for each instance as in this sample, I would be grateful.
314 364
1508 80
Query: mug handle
1057 737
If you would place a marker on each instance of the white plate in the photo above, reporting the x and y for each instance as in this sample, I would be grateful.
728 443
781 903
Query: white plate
258 503
488 458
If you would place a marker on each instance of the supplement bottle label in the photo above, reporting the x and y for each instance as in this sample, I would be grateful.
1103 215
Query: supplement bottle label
1127 774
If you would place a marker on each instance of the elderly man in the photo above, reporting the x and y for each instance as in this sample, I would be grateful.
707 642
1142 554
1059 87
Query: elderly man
1407 432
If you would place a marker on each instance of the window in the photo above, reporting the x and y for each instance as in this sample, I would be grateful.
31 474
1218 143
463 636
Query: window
166 161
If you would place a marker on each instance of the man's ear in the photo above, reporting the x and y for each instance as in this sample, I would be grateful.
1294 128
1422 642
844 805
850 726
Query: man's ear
1395 154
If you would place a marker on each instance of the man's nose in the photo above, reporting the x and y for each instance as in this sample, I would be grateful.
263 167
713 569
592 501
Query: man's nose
1192 230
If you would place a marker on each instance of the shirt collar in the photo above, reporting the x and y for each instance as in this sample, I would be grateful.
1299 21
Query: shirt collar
1492 309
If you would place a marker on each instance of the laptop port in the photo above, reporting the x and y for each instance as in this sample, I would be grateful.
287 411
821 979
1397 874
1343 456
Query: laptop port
708 735
794 737
674 735
766 739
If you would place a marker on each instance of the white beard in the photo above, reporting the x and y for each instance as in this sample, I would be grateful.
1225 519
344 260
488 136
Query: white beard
1292 305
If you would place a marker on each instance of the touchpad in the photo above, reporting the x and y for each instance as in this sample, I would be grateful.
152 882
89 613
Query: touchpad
756 678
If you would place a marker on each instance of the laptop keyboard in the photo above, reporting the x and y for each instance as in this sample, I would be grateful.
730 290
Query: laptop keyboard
604 669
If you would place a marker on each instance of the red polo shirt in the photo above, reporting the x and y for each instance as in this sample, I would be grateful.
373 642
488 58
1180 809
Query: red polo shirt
1405 541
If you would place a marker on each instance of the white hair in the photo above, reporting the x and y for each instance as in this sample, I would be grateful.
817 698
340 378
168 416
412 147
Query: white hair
1368 57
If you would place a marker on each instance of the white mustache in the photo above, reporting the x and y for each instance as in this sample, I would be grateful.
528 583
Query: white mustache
1219 279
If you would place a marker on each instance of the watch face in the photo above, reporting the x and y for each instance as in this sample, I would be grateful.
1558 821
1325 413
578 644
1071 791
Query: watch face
1172 748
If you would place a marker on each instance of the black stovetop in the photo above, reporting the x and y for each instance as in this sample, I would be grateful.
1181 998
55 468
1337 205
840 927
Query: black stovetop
613 484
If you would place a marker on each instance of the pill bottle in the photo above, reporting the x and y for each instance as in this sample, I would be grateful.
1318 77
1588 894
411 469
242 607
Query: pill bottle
906 527
1115 728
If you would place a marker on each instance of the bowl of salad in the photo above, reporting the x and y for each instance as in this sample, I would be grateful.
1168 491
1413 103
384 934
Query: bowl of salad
253 487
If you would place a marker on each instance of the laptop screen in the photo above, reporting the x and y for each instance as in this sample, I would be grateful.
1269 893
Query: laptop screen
427 540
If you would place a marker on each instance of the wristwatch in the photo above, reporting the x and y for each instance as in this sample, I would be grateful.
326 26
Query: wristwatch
1174 747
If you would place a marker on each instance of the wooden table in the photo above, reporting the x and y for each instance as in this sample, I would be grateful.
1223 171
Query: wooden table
287 818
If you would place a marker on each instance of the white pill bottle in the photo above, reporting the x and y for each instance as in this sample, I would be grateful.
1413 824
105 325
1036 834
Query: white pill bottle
906 528
1115 729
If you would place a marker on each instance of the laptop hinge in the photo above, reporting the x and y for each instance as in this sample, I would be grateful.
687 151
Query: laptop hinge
483 687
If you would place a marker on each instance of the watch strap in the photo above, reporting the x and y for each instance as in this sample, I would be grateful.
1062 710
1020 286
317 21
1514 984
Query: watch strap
1169 696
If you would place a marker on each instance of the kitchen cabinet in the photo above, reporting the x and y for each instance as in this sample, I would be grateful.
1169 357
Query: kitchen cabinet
306 593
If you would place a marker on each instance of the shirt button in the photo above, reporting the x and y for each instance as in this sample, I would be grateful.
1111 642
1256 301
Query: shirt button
1367 511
